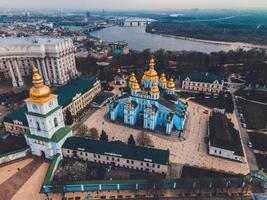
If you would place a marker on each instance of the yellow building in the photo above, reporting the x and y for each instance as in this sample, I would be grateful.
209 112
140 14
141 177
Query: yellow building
202 82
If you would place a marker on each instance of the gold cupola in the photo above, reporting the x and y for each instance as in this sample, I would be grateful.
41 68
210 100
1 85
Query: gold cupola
135 86
163 78
171 84
132 78
154 88
151 73
39 93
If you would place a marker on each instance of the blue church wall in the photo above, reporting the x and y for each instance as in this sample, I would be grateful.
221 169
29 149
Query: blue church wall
160 119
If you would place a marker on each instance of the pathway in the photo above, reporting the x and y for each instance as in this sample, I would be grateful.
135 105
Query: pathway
27 191
9 187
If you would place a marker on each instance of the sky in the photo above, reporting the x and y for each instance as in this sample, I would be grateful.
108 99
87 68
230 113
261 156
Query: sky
134 4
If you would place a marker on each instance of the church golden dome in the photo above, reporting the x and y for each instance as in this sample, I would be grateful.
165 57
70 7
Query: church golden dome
154 88
39 92
151 73
162 78
171 84
132 78
135 86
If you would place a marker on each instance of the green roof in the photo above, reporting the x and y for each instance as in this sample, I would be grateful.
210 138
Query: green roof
47 114
202 77
117 51
117 147
51 169
67 92
58 135
65 95
99 99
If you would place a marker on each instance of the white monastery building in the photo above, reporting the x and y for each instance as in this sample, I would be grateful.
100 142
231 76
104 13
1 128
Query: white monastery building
54 58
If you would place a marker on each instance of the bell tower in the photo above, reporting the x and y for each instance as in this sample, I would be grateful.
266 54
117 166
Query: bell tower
47 130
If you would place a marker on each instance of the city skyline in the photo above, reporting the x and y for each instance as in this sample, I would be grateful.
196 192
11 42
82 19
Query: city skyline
136 5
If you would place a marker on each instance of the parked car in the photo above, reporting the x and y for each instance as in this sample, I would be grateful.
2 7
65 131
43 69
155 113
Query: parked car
244 125
250 144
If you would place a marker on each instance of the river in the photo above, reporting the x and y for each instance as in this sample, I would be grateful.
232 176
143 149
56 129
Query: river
138 39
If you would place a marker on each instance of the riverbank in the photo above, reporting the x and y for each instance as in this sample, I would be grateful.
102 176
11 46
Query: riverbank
236 44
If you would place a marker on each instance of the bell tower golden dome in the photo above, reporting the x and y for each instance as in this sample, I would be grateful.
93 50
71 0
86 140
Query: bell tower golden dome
39 93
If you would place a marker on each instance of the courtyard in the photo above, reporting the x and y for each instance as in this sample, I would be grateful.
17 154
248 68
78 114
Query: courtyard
190 152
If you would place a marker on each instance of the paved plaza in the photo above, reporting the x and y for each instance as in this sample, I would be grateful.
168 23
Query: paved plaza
192 151
22 179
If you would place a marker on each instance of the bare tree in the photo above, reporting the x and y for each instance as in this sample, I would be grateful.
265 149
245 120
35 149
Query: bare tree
83 130
143 139
93 134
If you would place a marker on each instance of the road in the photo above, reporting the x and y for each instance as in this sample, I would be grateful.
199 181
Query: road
252 162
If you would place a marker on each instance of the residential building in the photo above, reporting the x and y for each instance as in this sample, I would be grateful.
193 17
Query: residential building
54 58
47 130
76 96
119 47
202 82
224 139
117 153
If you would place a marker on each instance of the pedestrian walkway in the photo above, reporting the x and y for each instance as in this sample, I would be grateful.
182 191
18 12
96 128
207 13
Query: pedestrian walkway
9 187
9 169
27 191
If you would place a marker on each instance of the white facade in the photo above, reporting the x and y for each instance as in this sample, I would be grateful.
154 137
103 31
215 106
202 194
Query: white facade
45 121
118 161
54 58
225 153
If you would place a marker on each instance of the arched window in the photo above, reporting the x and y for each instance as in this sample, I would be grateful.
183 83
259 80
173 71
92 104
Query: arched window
55 122
38 126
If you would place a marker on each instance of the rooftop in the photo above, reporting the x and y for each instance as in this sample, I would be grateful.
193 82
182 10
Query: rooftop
119 148
202 77
223 134
58 135
12 41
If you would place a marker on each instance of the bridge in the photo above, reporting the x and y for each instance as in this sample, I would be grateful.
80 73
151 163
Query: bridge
134 21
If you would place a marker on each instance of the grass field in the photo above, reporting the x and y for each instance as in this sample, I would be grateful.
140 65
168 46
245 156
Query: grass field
255 114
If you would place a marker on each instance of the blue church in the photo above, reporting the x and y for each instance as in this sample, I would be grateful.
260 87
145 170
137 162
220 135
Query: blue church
152 106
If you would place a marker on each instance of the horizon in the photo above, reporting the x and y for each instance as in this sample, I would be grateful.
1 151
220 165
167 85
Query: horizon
128 5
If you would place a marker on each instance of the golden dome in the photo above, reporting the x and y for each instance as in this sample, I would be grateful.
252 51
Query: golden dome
135 86
39 90
154 88
171 84
151 73
132 78
162 78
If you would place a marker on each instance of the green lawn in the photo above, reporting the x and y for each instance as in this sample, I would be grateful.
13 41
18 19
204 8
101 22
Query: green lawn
260 96
255 114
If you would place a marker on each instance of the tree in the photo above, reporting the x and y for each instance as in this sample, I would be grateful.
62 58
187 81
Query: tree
93 134
68 117
131 140
143 139
83 130
103 136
